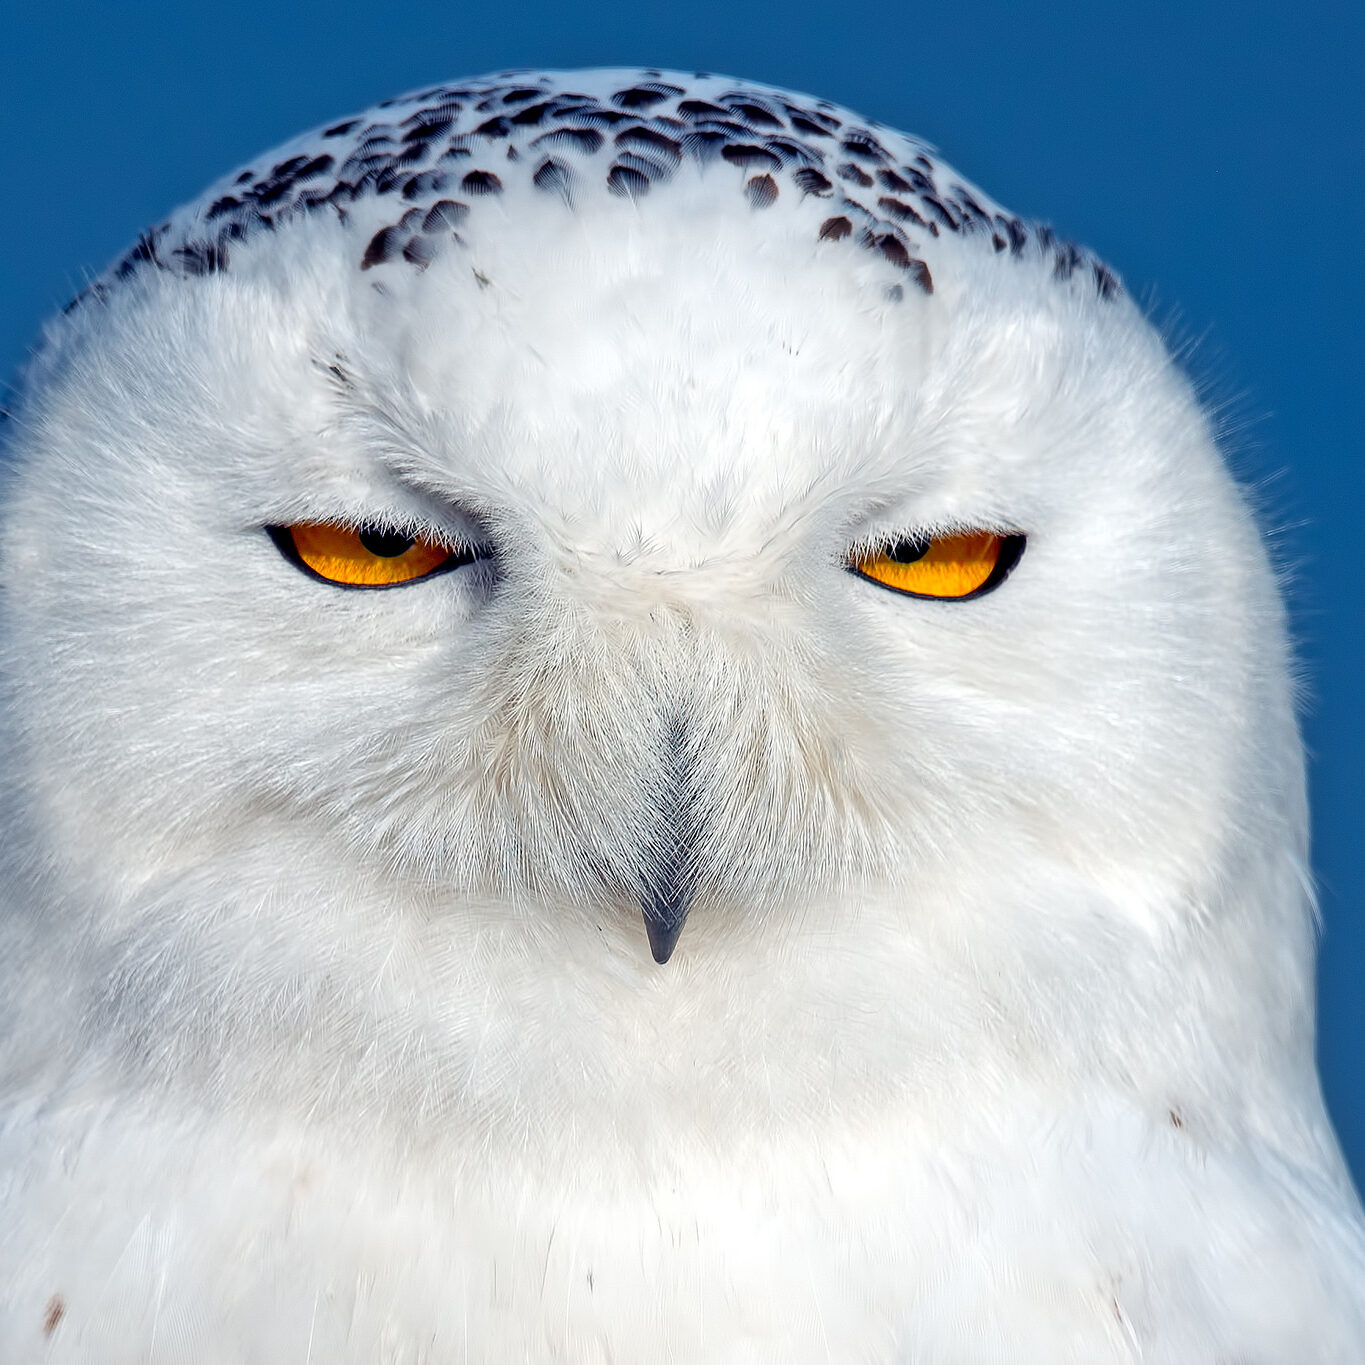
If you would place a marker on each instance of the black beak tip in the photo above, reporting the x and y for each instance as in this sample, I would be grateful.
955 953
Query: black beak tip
663 935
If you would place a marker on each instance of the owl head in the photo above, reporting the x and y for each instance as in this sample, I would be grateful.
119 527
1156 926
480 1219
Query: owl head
659 546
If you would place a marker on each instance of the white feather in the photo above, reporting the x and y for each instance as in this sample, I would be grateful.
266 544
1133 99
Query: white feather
326 1030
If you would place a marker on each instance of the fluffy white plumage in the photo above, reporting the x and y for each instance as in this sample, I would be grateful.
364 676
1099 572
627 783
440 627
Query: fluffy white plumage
330 1027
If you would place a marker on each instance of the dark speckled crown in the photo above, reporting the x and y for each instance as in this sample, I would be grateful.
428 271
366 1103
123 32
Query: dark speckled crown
435 155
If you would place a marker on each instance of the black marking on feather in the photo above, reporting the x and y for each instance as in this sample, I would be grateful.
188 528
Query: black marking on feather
645 96
750 157
650 139
444 214
627 181
420 251
810 181
761 191
655 123
424 184
855 175
699 109
754 114
553 175
899 209
481 182
384 245
577 139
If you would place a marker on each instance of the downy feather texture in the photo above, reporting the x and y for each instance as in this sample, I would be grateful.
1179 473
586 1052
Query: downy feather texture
329 1025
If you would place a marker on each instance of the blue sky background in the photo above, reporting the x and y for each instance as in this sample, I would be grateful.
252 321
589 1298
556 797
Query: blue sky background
1212 152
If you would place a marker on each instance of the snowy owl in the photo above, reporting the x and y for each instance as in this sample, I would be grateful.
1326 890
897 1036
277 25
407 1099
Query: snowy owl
639 728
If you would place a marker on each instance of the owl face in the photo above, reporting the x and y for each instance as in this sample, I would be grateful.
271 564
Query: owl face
633 560
660 448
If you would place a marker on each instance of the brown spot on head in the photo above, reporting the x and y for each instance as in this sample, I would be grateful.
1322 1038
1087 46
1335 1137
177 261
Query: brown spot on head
481 182
53 1314
812 182
893 249
383 246
761 191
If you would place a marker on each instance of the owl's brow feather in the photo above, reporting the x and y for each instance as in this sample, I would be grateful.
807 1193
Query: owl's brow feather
397 443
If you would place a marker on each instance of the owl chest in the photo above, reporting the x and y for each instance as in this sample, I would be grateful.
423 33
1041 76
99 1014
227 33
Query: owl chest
866 1241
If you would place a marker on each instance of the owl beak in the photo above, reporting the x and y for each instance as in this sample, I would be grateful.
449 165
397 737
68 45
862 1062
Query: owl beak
665 908
667 880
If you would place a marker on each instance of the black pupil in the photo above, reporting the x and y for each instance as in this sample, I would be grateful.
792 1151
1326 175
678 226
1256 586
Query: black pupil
910 549
385 544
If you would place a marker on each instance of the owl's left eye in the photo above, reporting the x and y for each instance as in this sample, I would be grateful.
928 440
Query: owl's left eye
367 556
967 564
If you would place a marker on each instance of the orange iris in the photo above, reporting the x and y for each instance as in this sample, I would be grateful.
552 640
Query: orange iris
364 556
962 565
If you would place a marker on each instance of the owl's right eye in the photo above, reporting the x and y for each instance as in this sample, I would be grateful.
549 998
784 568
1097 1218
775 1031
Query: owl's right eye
369 555
947 567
